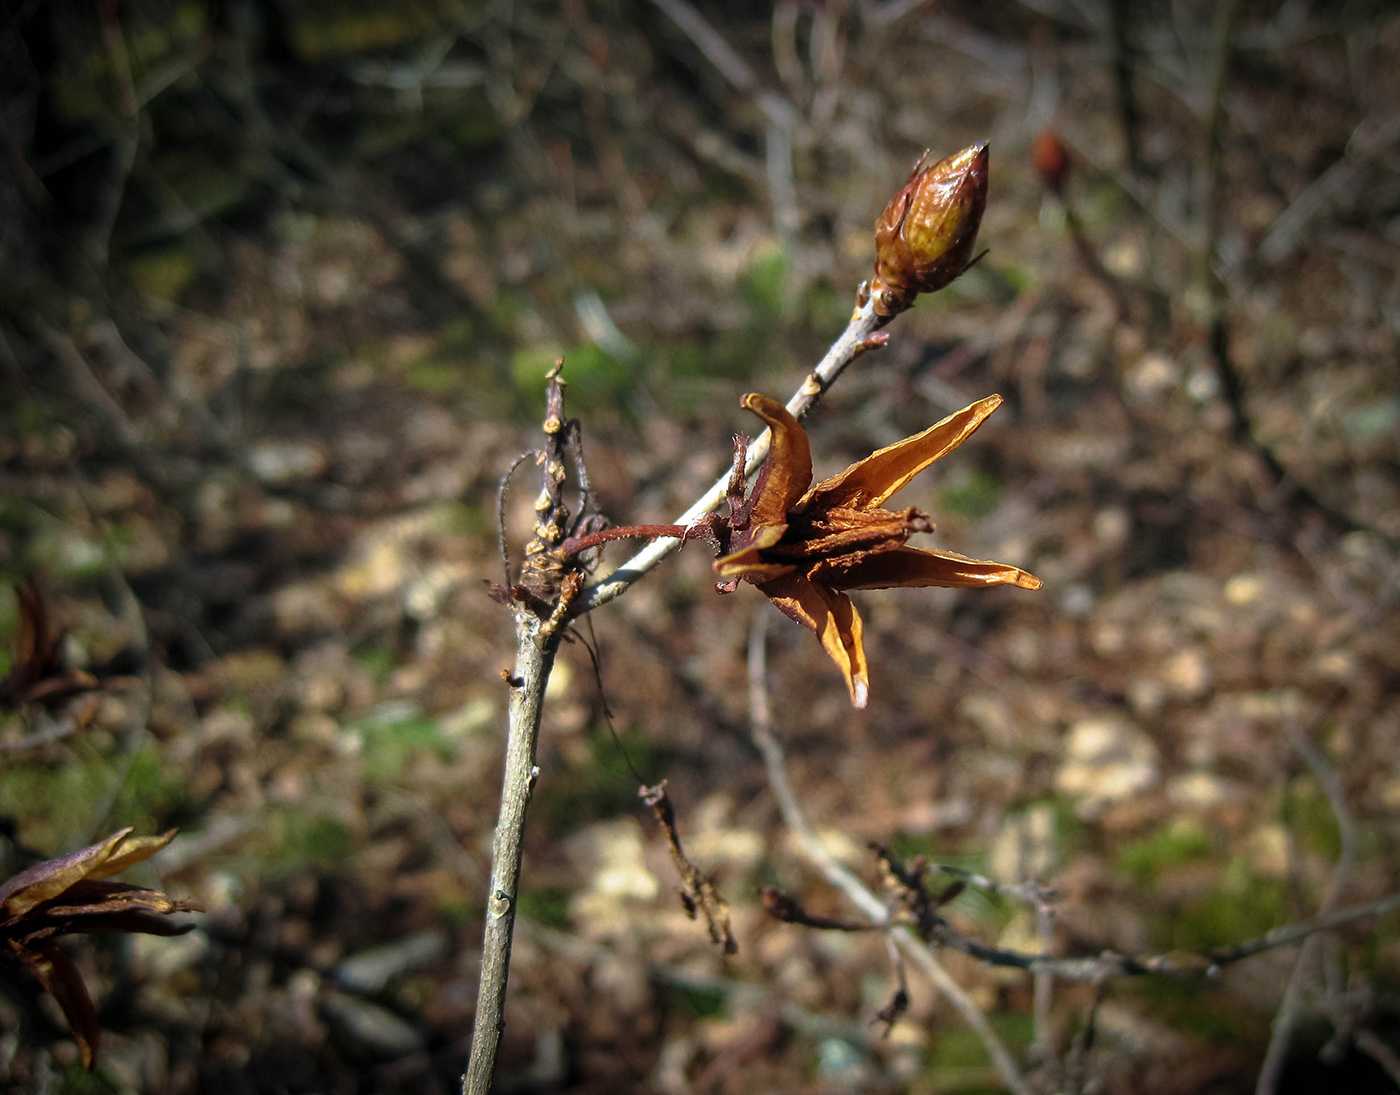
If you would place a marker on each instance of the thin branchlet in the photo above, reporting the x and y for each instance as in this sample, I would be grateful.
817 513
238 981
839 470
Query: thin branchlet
501 510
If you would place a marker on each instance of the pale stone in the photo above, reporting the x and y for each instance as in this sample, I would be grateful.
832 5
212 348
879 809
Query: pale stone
1244 589
1200 790
1024 847
1154 374
1268 850
1187 674
286 461
742 848
1106 759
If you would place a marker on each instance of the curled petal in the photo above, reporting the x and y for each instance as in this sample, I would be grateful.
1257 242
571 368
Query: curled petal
913 567
748 563
50 878
834 620
871 481
98 906
133 850
58 974
788 471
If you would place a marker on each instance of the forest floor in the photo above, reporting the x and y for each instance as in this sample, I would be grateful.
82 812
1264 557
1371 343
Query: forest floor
282 288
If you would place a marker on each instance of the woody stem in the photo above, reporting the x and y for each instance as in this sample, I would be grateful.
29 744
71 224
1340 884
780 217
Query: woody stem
574 544
538 641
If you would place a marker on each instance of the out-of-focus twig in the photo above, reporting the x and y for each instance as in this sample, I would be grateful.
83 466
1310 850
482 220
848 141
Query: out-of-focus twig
760 721
109 197
1287 231
48 731
1217 319
781 116
1108 965
698 892
1371 1044
1119 13
1285 1020
89 389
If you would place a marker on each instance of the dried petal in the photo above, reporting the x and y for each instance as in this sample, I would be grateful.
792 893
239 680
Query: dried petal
99 899
834 620
132 851
788 471
916 567
50 878
748 562
58 974
870 482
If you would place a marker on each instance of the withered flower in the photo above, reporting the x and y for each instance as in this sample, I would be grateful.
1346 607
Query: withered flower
70 894
39 673
925 236
805 548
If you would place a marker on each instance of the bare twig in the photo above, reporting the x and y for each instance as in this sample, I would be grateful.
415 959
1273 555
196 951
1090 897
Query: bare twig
113 190
760 722
1083 1041
861 334
49 730
1129 116
541 606
1371 1044
537 644
1096 970
1206 963
85 383
1271 1071
1287 231
1044 981
698 892
1211 203
780 116
776 109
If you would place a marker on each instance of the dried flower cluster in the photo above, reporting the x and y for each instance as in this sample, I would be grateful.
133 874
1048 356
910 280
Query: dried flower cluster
71 894
39 674
805 548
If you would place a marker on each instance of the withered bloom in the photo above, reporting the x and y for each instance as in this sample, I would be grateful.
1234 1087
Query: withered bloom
70 894
925 236
805 548
39 674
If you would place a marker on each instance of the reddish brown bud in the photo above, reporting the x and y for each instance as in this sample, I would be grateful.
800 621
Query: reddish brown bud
925 236
1051 159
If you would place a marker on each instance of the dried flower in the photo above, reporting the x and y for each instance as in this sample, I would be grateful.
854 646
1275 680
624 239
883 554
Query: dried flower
69 894
39 674
804 548
925 236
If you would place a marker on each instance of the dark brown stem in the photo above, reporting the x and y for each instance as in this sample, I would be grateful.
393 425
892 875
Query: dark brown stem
574 544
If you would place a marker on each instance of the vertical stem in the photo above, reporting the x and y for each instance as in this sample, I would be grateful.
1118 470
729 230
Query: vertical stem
1119 13
538 641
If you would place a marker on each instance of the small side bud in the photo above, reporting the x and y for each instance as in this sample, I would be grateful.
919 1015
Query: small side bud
1051 160
925 236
